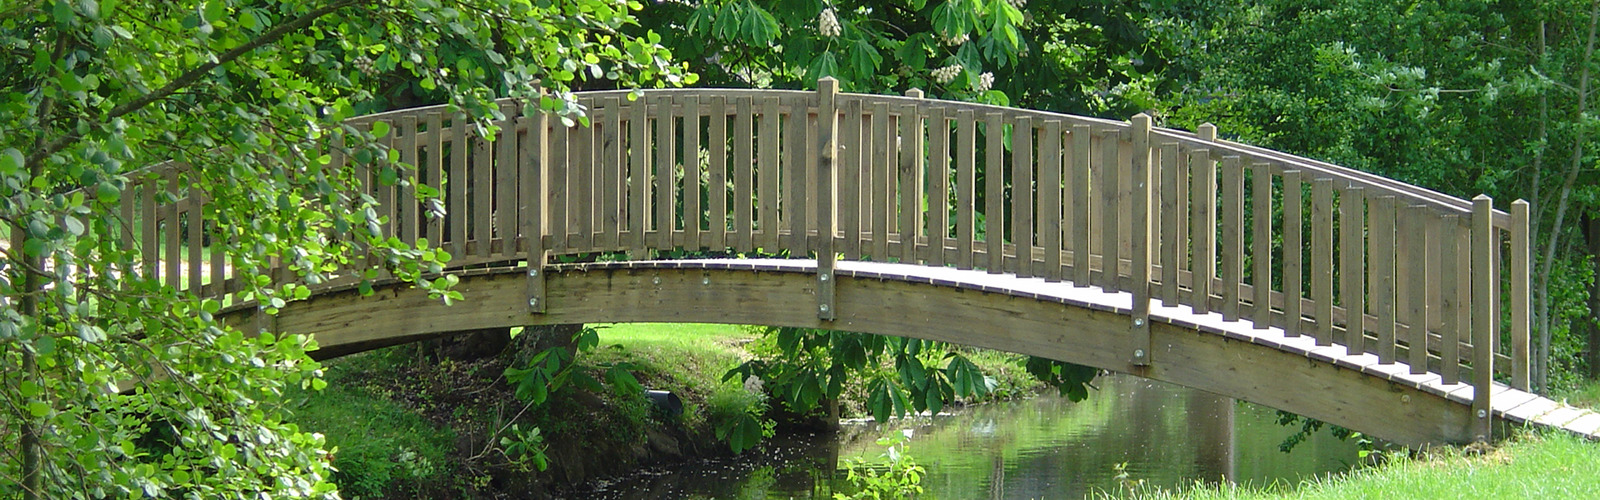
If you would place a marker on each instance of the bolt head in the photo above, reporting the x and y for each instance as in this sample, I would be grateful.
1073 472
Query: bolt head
532 271
822 277
705 280
1138 353
656 280
533 302
823 307
1483 413
1138 322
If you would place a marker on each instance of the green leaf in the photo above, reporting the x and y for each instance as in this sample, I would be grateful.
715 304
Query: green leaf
213 11
11 161
380 129
72 225
38 409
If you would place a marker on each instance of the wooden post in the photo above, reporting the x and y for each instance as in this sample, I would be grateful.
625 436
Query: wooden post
912 161
1203 215
1520 300
827 150
994 168
1484 281
1322 258
1142 227
534 200
1022 193
1232 258
1293 252
1081 145
1352 271
1050 203
1424 270
1261 246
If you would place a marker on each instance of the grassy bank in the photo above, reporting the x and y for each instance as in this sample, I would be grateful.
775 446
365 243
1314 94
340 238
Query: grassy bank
1531 466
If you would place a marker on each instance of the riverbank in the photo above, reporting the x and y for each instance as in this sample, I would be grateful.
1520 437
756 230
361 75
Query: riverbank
428 420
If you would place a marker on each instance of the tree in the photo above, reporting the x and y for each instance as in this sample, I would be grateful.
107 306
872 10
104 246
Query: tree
240 94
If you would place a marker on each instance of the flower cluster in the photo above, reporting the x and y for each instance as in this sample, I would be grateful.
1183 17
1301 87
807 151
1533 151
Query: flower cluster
947 73
828 23
956 39
1019 4
364 65
985 82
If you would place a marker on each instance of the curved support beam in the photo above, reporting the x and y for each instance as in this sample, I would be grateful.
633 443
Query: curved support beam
1066 329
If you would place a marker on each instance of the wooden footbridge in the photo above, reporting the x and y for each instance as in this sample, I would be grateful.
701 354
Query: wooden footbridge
1328 292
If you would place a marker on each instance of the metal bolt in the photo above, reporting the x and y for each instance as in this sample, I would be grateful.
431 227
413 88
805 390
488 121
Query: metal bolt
1483 413
1138 321
656 280
706 280
822 277
1405 398
532 271
533 302
823 307
1138 353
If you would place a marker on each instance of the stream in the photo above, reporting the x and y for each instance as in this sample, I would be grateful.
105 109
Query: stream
1131 430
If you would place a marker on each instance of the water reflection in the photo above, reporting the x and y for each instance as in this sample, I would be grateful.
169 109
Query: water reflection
1131 430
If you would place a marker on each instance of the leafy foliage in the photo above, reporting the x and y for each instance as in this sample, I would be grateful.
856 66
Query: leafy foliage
241 92
902 478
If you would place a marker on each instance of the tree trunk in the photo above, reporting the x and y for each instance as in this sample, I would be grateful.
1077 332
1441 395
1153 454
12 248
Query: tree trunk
1591 358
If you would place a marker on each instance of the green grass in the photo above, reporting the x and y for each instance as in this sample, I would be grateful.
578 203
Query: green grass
1552 465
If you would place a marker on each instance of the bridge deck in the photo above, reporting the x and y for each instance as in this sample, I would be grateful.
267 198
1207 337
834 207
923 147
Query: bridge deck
1510 405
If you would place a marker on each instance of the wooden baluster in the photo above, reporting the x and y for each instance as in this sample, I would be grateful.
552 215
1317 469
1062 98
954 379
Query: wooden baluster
480 194
639 168
1082 147
1352 271
693 211
1022 193
882 168
1450 334
559 182
767 175
434 173
1484 282
1261 244
172 244
795 205
938 186
743 174
717 178
1171 246
194 232
533 199
1232 236
460 150
1382 274
1520 297
1322 258
1463 272
611 174
666 191
405 211
1110 175
1050 203
851 164
1293 252
966 186
912 160
1422 261
1203 215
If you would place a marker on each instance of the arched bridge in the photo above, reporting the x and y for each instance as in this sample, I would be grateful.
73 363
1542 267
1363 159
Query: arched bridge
1336 294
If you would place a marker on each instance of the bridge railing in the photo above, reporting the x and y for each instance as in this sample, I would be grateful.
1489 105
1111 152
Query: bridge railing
1174 218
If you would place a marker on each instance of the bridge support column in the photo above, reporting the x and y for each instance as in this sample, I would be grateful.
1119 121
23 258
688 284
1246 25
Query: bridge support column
827 154
535 199
1139 332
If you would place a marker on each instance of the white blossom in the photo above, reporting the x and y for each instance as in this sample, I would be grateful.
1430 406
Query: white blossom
985 82
1019 4
828 23
956 39
947 73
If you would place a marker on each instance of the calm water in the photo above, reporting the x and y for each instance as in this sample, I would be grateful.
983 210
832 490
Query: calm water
1046 447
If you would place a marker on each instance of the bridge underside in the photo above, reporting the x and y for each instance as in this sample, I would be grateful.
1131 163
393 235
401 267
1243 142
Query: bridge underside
1029 316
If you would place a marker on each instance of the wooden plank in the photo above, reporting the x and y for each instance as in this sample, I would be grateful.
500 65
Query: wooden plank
743 175
938 185
1352 271
639 168
1261 244
460 151
1082 142
911 165
407 219
1232 253
1127 187
1171 246
767 175
1422 262
1322 264
825 150
433 173
666 191
195 224
966 186
1049 223
1484 239
1293 251
1381 270
1463 273
850 174
1520 295
384 192
505 180
693 211
883 176
558 184
172 243
151 239
611 175
1203 215
796 149
481 195
1449 282
717 178
1022 193
1142 183
1110 177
